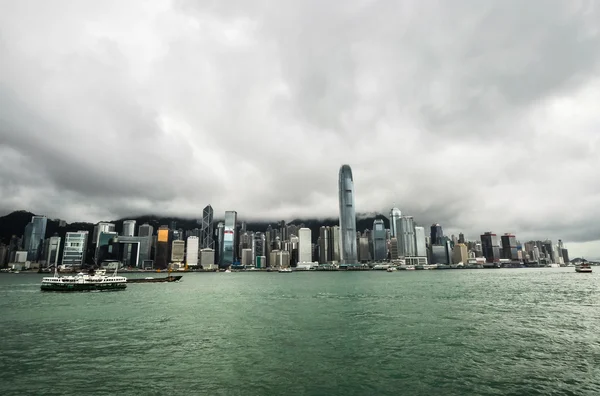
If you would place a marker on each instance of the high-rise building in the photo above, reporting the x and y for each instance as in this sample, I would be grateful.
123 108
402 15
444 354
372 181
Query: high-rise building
259 244
101 227
440 254
393 248
490 245
35 234
324 253
229 239
177 251
461 238
334 244
75 248
191 251
246 258
406 237
364 249
161 255
304 245
3 255
52 251
348 252
437 234
145 230
509 247
128 228
549 251
395 215
460 254
207 231
421 244
379 245
207 259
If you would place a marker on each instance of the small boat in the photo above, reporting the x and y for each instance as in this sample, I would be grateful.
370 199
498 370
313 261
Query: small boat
284 270
84 282
583 267
227 270
391 269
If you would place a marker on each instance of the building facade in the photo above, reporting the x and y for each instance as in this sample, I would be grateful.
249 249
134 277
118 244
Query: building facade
348 252
304 245
75 249
128 228
229 239
379 241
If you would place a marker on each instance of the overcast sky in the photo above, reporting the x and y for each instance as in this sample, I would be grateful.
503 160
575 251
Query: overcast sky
479 115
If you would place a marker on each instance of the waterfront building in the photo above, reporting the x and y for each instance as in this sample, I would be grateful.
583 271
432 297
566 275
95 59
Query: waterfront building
461 238
259 244
34 236
509 247
460 254
348 252
75 249
406 237
133 251
564 252
364 249
247 258
304 245
207 231
437 234
393 248
440 254
261 262
3 255
395 215
334 244
535 254
207 259
379 246
52 251
490 245
20 256
548 250
229 238
161 256
324 255
420 242
191 251
177 251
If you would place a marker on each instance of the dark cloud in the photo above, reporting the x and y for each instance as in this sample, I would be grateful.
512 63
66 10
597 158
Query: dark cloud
480 115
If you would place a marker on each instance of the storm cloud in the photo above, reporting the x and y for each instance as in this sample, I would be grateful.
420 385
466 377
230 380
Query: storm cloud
479 115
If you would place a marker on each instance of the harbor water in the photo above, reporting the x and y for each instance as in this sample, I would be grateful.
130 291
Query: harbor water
457 332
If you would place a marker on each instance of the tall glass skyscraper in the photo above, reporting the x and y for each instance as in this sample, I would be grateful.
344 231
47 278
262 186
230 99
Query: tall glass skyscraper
229 239
379 242
207 231
35 233
348 254
395 215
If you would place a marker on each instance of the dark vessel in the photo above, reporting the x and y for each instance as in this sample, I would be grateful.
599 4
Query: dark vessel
169 278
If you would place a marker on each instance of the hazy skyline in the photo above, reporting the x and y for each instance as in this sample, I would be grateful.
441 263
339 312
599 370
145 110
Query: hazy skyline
479 115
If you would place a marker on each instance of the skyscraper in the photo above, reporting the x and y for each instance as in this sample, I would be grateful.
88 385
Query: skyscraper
206 233
304 246
437 234
421 245
379 243
74 249
229 240
35 234
52 251
128 228
191 251
490 246
324 252
509 247
348 254
145 230
101 227
161 257
395 214
406 237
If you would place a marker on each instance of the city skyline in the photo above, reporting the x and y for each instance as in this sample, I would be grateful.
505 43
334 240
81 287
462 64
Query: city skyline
472 125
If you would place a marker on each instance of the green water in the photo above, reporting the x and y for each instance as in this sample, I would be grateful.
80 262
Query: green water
456 332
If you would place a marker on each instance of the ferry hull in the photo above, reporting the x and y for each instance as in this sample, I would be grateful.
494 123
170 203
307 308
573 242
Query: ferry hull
83 287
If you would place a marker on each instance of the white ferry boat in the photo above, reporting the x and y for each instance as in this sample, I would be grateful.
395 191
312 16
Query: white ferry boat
583 267
287 269
91 281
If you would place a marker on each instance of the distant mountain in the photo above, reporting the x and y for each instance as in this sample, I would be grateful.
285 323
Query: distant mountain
15 222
